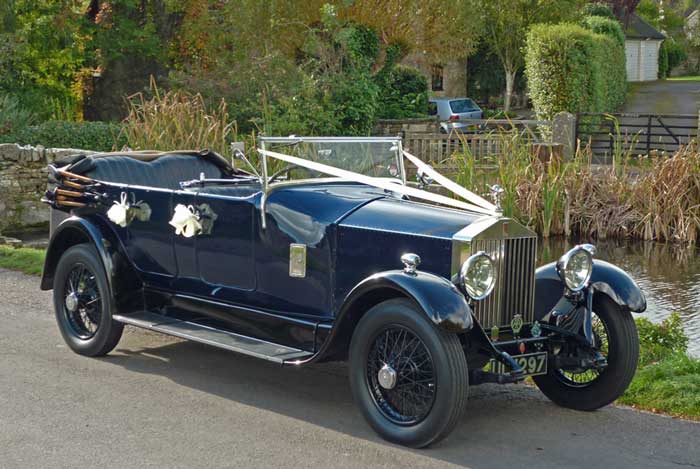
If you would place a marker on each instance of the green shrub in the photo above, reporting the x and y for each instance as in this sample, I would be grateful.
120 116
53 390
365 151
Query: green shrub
13 117
659 341
97 136
606 26
354 98
676 54
570 68
403 93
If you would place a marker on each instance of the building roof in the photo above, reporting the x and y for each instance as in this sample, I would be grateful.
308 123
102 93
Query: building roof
640 29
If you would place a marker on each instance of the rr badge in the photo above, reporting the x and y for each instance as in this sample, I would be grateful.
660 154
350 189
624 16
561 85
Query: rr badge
516 324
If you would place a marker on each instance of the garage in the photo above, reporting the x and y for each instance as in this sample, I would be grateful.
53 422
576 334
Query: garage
642 44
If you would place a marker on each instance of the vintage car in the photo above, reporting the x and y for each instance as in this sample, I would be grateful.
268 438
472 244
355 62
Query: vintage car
329 254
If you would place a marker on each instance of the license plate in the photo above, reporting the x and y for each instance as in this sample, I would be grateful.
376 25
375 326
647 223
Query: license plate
533 364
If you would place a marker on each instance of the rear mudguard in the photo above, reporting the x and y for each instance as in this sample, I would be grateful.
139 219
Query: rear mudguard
606 279
121 277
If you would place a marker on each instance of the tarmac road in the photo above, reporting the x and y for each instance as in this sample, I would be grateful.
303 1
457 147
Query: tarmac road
664 97
161 402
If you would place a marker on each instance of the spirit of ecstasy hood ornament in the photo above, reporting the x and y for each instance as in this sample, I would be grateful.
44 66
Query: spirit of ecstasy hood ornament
496 193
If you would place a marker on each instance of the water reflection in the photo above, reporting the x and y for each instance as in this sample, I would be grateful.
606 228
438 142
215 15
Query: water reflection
669 275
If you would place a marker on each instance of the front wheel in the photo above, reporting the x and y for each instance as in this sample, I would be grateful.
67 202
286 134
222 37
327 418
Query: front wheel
616 338
408 377
82 303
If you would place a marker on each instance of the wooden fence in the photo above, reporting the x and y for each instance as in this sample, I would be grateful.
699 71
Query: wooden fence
490 139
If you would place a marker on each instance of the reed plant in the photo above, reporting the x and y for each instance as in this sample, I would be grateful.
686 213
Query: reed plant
652 197
177 120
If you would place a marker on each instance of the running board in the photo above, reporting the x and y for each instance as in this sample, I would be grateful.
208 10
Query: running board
215 337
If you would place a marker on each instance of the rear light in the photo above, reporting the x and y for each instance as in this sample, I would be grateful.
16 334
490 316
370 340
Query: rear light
453 117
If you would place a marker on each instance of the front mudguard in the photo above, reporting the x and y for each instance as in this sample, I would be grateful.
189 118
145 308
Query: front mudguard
439 299
606 279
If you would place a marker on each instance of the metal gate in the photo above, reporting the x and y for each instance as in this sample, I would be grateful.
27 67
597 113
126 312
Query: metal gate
609 135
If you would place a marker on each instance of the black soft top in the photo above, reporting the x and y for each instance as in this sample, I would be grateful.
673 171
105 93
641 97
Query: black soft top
151 168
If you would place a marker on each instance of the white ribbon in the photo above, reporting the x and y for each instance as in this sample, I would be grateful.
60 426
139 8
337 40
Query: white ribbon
186 221
448 184
119 212
376 182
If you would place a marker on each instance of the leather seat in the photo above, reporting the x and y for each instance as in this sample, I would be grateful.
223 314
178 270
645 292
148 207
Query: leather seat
165 172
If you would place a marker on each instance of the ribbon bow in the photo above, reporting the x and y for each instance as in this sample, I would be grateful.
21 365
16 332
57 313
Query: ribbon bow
186 221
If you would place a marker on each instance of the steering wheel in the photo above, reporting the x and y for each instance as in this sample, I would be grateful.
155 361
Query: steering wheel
286 170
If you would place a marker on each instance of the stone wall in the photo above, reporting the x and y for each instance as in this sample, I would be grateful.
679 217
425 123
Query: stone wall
23 182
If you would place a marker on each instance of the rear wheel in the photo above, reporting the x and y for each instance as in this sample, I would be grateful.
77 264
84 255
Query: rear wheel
408 377
82 303
616 339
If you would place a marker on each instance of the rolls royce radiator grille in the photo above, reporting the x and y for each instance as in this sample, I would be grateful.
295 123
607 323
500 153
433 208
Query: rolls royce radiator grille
514 292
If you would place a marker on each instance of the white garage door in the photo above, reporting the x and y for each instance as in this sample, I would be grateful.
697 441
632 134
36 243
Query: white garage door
632 53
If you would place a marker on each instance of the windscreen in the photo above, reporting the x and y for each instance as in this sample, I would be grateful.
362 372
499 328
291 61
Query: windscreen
463 105
368 158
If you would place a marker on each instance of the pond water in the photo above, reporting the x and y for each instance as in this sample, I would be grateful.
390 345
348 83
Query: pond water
668 274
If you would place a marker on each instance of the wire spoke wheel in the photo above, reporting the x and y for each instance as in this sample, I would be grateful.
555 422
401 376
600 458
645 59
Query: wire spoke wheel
401 375
582 378
82 305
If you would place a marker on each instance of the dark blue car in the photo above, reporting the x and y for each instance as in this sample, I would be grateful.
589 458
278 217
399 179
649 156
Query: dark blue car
329 254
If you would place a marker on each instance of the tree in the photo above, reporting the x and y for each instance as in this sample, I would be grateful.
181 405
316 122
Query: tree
624 9
41 51
506 24
440 29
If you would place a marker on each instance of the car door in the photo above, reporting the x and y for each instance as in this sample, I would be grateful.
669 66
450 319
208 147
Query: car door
149 241
224 250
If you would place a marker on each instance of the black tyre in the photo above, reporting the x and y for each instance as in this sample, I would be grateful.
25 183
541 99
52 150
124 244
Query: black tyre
408 377
616 339
82 305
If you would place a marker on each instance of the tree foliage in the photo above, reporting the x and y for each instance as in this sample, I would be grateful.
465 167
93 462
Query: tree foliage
506 23
41 51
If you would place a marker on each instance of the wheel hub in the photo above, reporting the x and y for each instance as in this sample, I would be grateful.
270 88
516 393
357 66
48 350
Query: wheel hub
387 377
72 302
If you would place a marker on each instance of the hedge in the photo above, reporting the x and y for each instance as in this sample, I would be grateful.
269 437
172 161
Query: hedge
571 68
97 136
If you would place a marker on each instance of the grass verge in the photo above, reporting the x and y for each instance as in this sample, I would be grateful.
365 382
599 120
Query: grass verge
669 386
667 379
688 78
27 260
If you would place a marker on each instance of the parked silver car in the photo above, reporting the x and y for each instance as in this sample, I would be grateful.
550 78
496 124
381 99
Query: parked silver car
453 113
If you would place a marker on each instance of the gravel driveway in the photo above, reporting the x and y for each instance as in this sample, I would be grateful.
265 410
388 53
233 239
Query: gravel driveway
160 402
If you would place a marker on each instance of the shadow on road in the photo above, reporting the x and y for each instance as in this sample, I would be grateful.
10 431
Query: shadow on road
503 425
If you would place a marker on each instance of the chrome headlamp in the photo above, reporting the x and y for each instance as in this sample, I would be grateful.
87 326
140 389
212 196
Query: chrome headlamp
575 267
478 275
